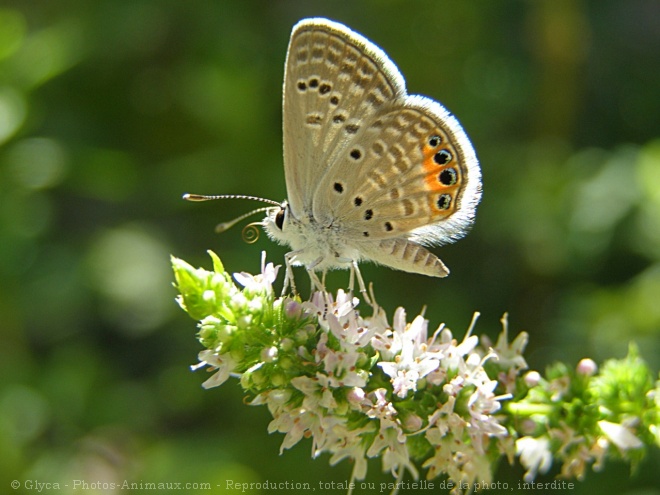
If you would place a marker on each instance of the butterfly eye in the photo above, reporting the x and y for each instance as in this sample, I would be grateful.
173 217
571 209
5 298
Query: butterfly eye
279 218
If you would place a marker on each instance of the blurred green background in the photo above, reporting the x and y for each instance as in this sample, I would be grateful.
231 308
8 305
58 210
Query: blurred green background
110 110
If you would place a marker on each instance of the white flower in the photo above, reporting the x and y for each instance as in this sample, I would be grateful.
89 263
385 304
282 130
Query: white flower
452 455
295 423
276 400
262 282
348 445
443 421
393 451
411 361
317 391
377 406
453 354
350 330
339 319
340 366
389 342
510 355
535 456
620 435
223 363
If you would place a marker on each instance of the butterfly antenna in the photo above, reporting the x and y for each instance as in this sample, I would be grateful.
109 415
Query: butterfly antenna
249 231
221 227
204 197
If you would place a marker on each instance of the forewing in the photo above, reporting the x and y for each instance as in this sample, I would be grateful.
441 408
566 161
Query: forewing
335 82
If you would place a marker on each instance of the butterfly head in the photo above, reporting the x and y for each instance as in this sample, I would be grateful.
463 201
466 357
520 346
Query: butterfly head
280 215
277 223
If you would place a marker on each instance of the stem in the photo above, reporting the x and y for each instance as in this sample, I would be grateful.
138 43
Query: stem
522 409
399 479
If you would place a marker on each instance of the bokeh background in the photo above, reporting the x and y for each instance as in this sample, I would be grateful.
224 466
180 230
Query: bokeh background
110 110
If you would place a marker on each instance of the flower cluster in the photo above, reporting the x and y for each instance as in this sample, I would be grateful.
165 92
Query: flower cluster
361 387
579 417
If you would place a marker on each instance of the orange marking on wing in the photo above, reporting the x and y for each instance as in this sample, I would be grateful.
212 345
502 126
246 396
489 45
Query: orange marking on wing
434 186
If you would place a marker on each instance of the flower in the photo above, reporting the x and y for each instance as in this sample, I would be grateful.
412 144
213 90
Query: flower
535 455
223 365
411 362
262 282
317 391
620 435
359 387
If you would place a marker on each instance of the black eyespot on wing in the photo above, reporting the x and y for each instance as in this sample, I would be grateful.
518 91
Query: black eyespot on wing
369 214
339 118
356 154
357 201
279 218
389 227
444 201
334 100
313 83
442 157
352 128
435 141
448 177
366 234
339 187
302 86
324 88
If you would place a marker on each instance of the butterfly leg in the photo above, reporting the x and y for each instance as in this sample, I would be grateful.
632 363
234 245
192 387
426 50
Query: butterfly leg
317 284
288 273
354 272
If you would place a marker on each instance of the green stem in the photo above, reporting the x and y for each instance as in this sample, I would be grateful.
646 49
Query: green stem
522 409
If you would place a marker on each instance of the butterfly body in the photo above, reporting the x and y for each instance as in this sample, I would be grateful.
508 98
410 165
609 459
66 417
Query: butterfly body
316 245
372 173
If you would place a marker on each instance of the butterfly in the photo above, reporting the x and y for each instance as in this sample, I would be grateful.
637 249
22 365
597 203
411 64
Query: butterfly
372 173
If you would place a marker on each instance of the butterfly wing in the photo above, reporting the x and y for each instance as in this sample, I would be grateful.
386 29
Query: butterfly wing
410 172
334 80
387 172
